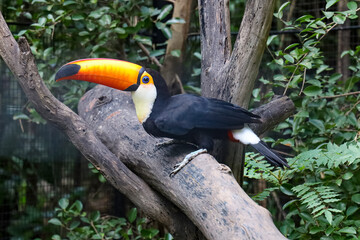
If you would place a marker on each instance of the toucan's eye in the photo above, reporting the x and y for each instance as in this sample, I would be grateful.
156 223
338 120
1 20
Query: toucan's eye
145 79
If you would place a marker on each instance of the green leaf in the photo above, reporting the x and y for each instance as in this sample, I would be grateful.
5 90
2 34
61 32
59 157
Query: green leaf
95 216
67 3
21 116
168 236
270 39
289 58
105 20
197 55
144 40
176 53
328 15
328 216
149 233
352 5
78 205
348 175
330 3
132 215
55 221
339 18
119 30
291 46
74 225
356 198
351 210
22 32
55 237
164 12
289 203
96 14
64 203
84 33
77 17
42 21
90 26
175 20
335 77
279 14
312 91
318 124
286 191
167 32
350 230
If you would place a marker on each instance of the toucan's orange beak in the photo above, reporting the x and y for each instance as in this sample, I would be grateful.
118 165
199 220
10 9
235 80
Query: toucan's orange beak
113 73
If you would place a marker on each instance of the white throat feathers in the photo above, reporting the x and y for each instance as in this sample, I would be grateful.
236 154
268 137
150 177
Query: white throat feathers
144 98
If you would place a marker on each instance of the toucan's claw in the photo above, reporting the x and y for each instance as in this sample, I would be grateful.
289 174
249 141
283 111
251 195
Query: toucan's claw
186 160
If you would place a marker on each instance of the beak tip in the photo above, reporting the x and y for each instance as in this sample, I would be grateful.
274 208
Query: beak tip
66 71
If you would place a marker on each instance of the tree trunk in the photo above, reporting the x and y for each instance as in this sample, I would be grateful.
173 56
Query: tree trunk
231 76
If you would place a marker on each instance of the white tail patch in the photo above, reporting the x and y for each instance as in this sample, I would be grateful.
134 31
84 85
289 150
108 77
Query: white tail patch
245 136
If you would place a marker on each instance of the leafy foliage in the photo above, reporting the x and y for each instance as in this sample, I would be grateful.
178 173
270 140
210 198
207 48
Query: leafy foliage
323 187
327 104
79 224
61 31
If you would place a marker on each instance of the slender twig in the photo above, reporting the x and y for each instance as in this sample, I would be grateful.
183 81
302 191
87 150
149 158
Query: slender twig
145 50
93 226
352 108
147 53
339 95
303 83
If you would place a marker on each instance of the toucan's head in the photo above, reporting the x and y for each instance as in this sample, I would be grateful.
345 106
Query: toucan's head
120 75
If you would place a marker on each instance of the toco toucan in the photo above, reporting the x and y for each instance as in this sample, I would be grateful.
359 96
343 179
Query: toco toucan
183 117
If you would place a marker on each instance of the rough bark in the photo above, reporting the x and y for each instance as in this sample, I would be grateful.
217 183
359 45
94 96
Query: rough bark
215 43
204 189
231 76
21 62
172 66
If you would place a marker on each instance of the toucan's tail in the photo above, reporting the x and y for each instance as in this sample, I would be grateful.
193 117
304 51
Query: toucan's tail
273 158
247 136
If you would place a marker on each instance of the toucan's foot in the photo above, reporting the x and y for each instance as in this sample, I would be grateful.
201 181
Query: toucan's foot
186 160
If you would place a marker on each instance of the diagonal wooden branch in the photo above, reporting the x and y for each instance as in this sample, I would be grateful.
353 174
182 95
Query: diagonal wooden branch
204 190
21 62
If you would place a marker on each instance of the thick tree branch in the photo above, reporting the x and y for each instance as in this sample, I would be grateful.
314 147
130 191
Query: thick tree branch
204 190
21 62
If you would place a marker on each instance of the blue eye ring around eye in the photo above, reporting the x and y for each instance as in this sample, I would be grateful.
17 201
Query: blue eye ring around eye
145 79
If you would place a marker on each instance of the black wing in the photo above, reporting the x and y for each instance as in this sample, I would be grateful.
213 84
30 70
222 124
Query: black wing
185 112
